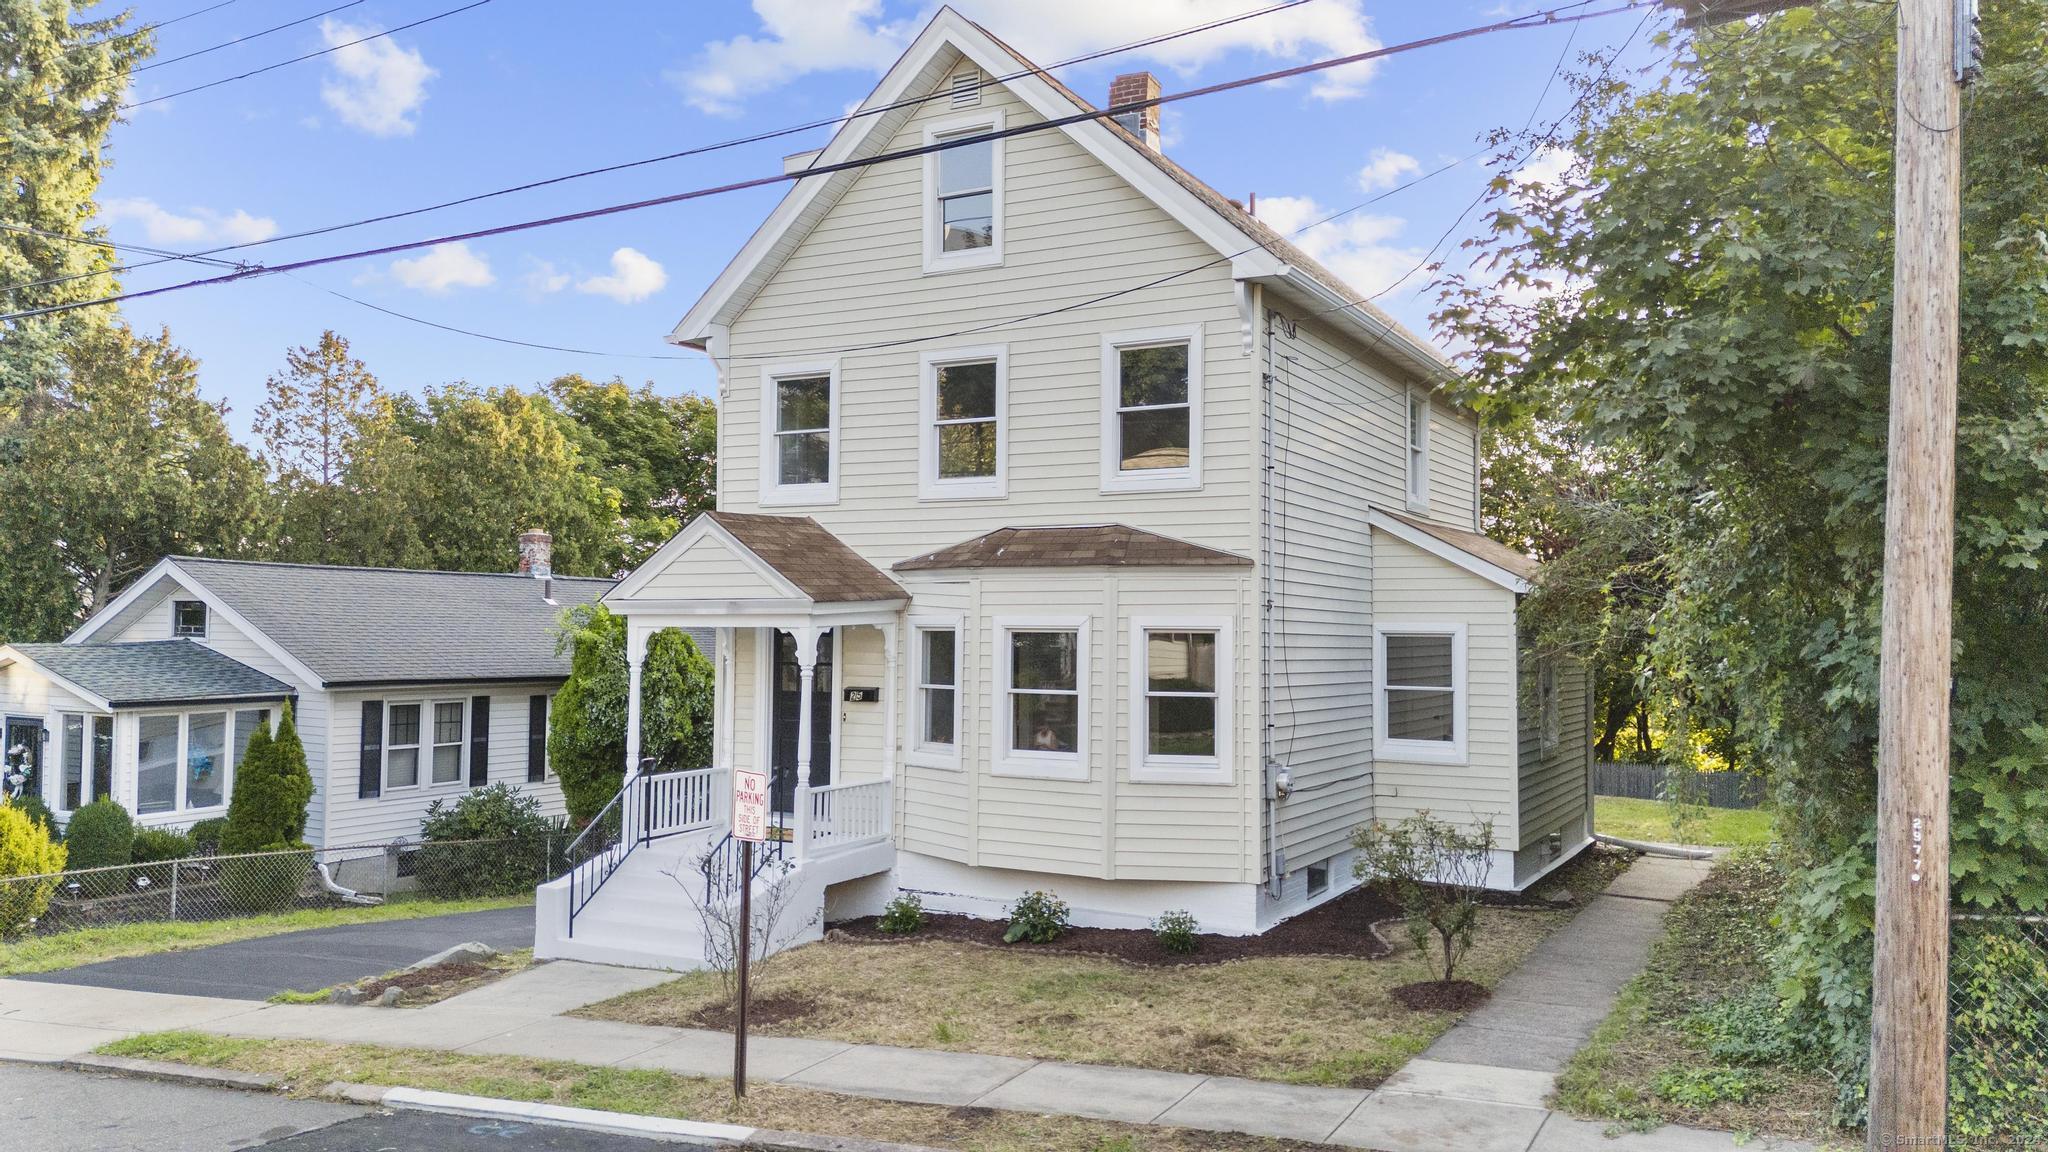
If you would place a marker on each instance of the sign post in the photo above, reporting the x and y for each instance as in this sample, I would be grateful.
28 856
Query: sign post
749 827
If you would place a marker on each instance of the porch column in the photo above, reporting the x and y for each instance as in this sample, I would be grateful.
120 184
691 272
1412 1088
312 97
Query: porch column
807 666
636 655
889 706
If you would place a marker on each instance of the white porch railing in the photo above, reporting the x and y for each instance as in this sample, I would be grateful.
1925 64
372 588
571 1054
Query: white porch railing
675 802
842 816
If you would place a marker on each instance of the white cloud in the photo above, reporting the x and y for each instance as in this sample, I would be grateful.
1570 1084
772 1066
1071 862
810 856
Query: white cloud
1359 248
1385 168
442 268
543 277
635 276
201 226
376 86
798 37
1546 166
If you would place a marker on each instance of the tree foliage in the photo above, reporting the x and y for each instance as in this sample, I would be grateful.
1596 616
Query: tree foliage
587 723
659 452
312 425
272 788
61 80
120 464
1707 292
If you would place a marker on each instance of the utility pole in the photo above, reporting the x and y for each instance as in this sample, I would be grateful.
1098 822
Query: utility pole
1909 979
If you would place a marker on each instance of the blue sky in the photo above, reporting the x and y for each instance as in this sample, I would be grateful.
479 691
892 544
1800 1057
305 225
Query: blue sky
517 90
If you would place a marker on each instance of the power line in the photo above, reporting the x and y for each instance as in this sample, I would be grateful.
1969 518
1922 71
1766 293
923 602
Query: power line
1533 20
239 39
146 28
704 149
482 335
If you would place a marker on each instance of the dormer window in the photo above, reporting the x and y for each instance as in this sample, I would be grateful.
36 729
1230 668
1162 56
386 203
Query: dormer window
963 193
188 618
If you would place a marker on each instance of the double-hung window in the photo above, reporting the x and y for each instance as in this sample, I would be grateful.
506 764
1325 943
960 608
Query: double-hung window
448 734
963 181
800 434
402 746
1180 700
1152 410
936 665
1418 450
964 445
1042 694
1420 710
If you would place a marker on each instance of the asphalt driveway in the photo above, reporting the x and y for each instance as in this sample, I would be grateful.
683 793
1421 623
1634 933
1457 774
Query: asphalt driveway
301 961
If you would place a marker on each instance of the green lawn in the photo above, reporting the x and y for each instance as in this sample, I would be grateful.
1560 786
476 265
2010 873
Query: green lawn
87 945
1651 820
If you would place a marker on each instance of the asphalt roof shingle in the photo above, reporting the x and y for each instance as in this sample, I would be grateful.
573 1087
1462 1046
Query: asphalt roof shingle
807 555
394 626
155 672
1473 543
1084 546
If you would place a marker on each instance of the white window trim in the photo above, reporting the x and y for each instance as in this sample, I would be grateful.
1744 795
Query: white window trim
1549 708
88 753
205 626
429 744
1007 761
1420 751
773 491
423 780
1150 769
916 751
1114 478
929 485
182 768
1414 458
936 259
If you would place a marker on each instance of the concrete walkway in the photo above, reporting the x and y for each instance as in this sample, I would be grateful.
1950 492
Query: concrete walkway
521 1016
302 961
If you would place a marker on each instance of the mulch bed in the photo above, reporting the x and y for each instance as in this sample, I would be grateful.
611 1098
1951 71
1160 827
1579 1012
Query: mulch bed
425 977
1341 927
1440 995
774 1008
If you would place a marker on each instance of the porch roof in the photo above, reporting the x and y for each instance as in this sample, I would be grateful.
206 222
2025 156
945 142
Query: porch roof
732 569
817 562
152 673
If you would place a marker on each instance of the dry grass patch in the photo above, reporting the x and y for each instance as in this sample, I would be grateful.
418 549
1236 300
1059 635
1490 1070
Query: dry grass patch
1308 1020
307 1067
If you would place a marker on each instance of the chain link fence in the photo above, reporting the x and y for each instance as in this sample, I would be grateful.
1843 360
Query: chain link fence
209 886
1998 1030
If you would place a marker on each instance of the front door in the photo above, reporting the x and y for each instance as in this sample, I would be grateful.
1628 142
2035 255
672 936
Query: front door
23 754
784 716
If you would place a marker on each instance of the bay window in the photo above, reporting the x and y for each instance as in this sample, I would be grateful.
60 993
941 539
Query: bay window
1042 697
1420 713
1180 700
1152 410
938 690
184 761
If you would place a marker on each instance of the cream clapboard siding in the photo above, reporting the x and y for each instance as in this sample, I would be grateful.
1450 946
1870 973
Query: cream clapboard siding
860 661
1555 782
1073 230
150 619
710 571
934 793
1339 448
1410 585
397 814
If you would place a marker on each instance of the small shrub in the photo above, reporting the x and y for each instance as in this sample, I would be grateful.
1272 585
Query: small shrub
253 885
155 845
1037 918
33 807
1437 872
498 813
26 849
208 832
102 834
1178 931
902 916
272 788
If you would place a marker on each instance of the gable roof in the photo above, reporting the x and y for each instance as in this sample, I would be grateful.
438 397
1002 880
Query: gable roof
818 563
153 672
1476 553
1255 251
1077 546
361 626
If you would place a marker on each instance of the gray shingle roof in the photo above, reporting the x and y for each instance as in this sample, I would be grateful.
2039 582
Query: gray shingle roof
155 672
395 626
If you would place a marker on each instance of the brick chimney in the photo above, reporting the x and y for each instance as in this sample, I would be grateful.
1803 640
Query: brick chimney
1143 122
536 554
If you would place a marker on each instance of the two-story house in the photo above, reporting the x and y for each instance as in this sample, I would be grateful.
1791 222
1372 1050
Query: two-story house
1076 531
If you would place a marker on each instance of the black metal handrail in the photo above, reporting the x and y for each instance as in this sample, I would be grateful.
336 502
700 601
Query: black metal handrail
721 864
615 841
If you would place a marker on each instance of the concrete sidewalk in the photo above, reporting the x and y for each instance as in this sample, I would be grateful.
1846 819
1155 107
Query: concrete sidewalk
521 1016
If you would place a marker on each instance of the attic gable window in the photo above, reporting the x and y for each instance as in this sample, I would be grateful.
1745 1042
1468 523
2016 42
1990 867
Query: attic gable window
963 193
1152 410
188 618
800 434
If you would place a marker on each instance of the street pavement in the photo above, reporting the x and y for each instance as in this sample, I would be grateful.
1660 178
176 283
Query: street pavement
301 961
49 1110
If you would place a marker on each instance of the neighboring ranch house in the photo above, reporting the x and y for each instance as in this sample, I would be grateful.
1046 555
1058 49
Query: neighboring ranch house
406 687
1078 532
